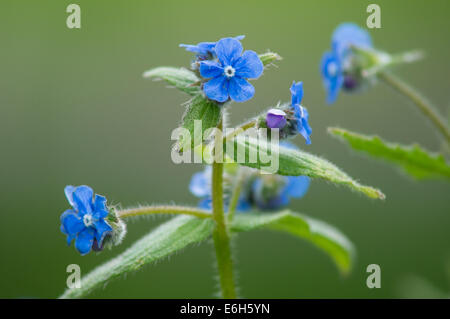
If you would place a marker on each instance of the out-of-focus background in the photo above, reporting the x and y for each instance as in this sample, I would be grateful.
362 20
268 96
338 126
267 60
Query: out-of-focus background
74 109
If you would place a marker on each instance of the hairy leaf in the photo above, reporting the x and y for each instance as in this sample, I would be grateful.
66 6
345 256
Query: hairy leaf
203 110
292 163
180 78
324 236
167 239
414 160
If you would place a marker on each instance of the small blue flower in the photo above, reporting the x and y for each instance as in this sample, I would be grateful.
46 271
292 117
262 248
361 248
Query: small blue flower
205 50
301 115
270 197
228 75
340 69
347 35
270 192
332 75
85 222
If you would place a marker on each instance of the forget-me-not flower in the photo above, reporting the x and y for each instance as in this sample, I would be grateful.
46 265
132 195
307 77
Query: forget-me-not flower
228 75
270 192
301 115
291 119
341 67
85 222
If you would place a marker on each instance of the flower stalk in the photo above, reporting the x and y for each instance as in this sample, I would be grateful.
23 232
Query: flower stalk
221 235
152 210
427 109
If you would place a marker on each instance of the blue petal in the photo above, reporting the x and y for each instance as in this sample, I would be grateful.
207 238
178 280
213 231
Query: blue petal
101 210
297 186
249 65
243 205
347 34
296 93
240 90
228 50
101 229
82 197
68 190
200 185
71 223
331 75
302 116
200 48
217 89
205 203
84 241
210 69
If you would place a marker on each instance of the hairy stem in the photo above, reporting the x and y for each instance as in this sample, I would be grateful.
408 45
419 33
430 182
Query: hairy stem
220 235
427 109
235 195
151 210
240 129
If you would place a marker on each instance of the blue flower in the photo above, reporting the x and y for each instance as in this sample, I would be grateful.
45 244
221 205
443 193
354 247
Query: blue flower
85 222
274 192
301 115
347 35
205 50
228 75
332 75
271 192
340 68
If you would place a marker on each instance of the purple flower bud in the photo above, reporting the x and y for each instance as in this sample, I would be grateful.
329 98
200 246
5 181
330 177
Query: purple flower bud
350 82
276 118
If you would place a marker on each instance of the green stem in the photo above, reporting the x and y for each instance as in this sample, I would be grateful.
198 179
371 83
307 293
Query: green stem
220 235
235 195
151 210
240 129
427 109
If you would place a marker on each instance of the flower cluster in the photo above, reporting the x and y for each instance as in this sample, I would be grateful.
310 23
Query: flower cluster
226 68
260 191
342 67
89 221
291 119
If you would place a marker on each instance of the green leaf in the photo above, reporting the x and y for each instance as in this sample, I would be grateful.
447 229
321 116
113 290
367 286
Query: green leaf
293 163
199 109
180 78
413 159
324 236
269 57
167 239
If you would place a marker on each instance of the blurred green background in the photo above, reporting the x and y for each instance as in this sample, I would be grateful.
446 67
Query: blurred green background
74 109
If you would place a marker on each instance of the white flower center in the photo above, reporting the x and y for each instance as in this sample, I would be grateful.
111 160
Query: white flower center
229 71
88 220
332 69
